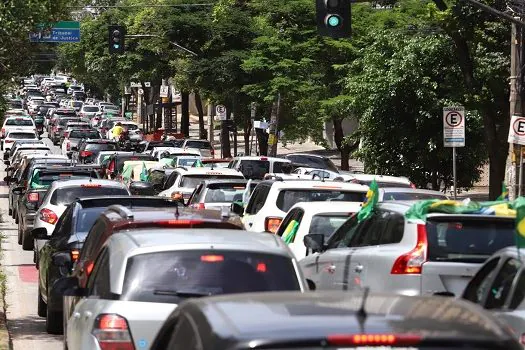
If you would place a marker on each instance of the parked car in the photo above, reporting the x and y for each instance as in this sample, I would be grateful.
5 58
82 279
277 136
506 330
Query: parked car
163 267
62 248
329 320
391 253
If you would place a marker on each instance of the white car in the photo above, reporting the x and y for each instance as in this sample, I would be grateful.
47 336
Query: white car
61 193
15 134
34 103
313 217
184 181
204 146
382 180
271 200
25 123
170 152
89 111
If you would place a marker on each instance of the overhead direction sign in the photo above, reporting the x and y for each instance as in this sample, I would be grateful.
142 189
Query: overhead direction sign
454 126
60 32
517 130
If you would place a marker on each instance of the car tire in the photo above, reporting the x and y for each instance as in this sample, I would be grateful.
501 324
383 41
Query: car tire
54 323
27 241
42 306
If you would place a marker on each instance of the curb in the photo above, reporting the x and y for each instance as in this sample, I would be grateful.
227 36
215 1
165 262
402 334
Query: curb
5 338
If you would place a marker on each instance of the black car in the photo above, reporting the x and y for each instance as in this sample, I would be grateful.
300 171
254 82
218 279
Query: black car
88 149
312 161
63 247
115 163
330 320
31 196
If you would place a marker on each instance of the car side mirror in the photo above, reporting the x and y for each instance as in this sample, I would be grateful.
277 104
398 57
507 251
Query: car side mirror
68 286
314 241
40 233
311 284
17 190
445 294
62 259
237 208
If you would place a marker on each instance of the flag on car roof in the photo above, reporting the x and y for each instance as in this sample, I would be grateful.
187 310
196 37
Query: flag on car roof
504 192
35 180
520 222
372 197
144 173
198 164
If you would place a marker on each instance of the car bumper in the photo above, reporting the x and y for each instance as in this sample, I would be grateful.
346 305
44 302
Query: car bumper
29 222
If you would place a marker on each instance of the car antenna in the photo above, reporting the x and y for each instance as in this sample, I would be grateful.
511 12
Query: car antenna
361 313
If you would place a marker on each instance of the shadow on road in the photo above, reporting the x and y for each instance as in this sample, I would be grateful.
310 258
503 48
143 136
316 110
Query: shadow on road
29 328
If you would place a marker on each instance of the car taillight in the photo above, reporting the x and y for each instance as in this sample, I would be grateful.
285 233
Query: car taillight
49 216
75 254
9 141
412 262
112 332
366 340
271 224
33 197
85 154
199 206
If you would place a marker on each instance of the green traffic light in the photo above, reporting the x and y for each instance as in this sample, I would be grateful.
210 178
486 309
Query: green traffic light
116 46
333 21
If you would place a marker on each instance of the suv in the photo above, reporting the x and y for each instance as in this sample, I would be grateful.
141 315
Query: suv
204 146
271 200
390 253
256 167
185 180
59 125
63 247
20 123
88 149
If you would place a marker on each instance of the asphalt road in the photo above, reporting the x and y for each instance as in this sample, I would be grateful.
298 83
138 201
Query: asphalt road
26 328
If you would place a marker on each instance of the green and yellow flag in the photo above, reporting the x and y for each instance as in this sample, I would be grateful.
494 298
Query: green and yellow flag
504 196
520 222
198 164
290 232
372 197
144 173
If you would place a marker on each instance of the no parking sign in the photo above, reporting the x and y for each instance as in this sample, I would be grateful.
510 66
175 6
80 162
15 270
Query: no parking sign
517 130
454 126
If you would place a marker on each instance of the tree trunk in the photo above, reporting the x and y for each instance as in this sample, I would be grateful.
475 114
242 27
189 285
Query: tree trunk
225 140
198 103
185 114
341 144
158 117
247 134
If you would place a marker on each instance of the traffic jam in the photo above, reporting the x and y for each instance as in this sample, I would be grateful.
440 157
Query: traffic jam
156 243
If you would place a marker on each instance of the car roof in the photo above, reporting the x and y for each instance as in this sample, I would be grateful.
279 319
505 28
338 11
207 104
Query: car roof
263 158
328 207
138 201
79 182
292 316
315 184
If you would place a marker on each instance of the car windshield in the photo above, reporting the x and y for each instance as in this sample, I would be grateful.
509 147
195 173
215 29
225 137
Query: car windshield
225 193
198 144
468 239
101 146
254 169
192 181
21 135
186 162
409 196
84 134
64 196
288 198
90 109
87 217
19 122
327 223
170 277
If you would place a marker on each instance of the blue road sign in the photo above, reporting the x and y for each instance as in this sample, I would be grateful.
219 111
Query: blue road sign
56 35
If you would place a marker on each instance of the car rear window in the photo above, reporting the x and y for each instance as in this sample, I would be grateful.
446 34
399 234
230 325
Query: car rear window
185 162
45 179
21 135
90 109
19 122
254 169
411 196
170 277
468 239
224 193
87 217
288 198
192 181
101 146
198 144
66 114
313 162
81 134
65 196
327 223
120 160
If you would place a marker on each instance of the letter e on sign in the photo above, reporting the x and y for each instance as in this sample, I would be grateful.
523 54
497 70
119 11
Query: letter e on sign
517 130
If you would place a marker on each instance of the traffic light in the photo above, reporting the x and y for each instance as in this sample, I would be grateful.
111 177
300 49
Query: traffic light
334 18
116 36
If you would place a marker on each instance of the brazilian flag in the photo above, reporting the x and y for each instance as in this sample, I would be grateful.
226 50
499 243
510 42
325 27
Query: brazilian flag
290 232
144 173
198 164
372 197
520 222
504 196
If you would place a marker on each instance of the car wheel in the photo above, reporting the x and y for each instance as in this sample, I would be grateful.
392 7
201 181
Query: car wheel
42 306
54 322
27 241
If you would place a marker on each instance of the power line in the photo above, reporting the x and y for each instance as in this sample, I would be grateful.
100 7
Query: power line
141 5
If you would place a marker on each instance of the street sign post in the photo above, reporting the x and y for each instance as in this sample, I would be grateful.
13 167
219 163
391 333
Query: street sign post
517 136
454 134
60 32
220 112
164 91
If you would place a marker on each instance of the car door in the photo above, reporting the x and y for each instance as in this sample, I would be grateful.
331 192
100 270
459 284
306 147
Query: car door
513 313
84 314
255 204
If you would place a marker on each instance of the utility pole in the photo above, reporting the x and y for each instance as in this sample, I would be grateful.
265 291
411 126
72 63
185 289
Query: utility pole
514 155
274 127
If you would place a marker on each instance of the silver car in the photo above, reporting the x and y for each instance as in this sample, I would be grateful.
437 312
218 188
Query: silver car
143 274
499 286
389 253
62 193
